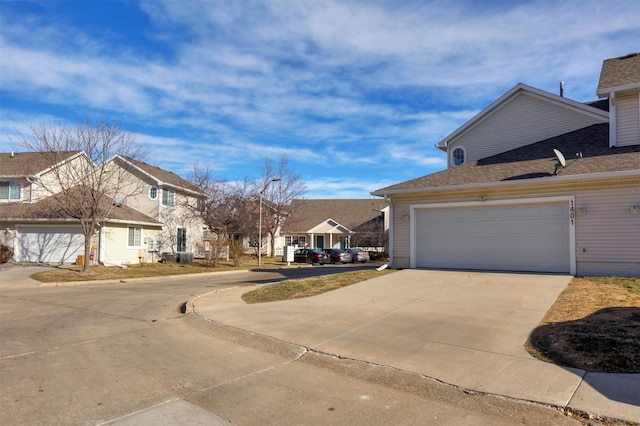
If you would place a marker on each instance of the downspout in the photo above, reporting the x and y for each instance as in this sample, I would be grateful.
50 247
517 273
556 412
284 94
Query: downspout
388 200
101 239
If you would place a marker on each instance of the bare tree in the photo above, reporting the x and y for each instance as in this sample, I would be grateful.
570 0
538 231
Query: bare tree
85 188
227 212
278 196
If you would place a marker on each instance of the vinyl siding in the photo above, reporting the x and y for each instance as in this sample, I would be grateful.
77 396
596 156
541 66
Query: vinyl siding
628 120
116 250
608 231
525 119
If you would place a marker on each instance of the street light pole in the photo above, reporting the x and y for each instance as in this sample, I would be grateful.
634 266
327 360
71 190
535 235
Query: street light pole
260 221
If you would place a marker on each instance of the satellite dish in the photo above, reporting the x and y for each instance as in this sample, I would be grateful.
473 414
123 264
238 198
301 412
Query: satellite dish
561 161
119 202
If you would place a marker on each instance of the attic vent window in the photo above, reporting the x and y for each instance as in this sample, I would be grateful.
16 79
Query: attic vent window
153 192
458 156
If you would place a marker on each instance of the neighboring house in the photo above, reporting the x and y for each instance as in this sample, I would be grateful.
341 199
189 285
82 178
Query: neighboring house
33 225
20 172
170 199
335 224
504 203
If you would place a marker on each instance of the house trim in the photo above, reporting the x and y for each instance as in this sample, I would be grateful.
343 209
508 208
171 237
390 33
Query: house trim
159 183
555 180
499 103
570 200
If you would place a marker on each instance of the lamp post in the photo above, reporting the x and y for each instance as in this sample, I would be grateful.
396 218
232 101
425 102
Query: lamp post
260 221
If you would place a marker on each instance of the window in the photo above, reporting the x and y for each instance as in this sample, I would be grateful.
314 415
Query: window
181 241
458 156
10 190
153 192
135 237
168 197
295 240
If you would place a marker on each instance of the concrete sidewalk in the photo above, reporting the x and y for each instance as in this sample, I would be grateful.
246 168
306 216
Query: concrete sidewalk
462 328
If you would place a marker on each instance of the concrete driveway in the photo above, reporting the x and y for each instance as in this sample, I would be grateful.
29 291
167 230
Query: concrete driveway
463 328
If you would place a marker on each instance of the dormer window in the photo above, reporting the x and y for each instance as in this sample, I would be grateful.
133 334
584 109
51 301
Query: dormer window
153 192
458 156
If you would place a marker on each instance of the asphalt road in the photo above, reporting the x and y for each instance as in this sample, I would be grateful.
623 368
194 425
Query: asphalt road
88 354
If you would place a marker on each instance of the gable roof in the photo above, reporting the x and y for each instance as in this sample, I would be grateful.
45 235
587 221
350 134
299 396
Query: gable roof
586 109
620 74
161 176
25 164
47 210
534 163
350 213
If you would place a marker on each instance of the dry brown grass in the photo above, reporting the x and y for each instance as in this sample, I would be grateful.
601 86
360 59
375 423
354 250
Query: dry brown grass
74 273
594 325
307 287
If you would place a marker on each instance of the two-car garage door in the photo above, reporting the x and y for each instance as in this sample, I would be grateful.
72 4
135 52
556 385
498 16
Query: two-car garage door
531 237
50 244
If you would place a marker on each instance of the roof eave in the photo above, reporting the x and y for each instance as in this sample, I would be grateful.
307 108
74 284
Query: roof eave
627 88
553 180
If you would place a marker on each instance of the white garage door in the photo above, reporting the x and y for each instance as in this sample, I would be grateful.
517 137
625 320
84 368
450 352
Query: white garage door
514 238
50 244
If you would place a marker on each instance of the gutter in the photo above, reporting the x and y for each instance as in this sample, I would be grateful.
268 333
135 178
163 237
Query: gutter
552 180
390 239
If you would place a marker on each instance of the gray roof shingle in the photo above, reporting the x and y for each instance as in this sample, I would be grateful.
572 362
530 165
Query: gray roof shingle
536 161
306 214
618 72
30 163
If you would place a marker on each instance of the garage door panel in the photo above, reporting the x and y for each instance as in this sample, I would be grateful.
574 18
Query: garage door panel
518 237
50 244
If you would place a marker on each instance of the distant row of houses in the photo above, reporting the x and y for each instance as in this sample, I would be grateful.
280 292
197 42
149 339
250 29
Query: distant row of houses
155 218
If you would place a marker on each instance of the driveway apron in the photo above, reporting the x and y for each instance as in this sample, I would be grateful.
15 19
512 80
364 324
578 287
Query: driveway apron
463 328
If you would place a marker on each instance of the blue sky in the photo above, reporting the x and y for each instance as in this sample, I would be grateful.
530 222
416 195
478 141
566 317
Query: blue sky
354 93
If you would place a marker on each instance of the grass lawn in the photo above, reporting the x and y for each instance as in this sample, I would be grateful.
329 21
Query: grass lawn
307 287
74 273
594 325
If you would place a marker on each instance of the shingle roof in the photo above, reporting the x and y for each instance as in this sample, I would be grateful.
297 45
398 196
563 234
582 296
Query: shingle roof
306 214
619 72
30 163
49 209
536 161
162 175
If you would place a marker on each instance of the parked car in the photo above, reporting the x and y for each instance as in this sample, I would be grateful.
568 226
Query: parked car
337 255
310 256
358 255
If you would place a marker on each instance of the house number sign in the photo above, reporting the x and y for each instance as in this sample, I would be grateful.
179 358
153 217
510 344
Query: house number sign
572 212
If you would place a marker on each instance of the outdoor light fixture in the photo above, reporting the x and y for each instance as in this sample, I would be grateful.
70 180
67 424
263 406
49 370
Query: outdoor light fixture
260 219
582 211
635 210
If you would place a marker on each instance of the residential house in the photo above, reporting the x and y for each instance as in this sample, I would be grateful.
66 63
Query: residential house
169 199
535 182
32 223
335 224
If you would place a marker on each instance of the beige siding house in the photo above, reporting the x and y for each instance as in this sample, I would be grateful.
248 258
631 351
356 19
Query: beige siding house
169 199
339 223
508 202
37 231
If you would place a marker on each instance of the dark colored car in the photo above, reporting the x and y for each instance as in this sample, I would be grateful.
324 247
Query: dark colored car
358 255
310 256
338 255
